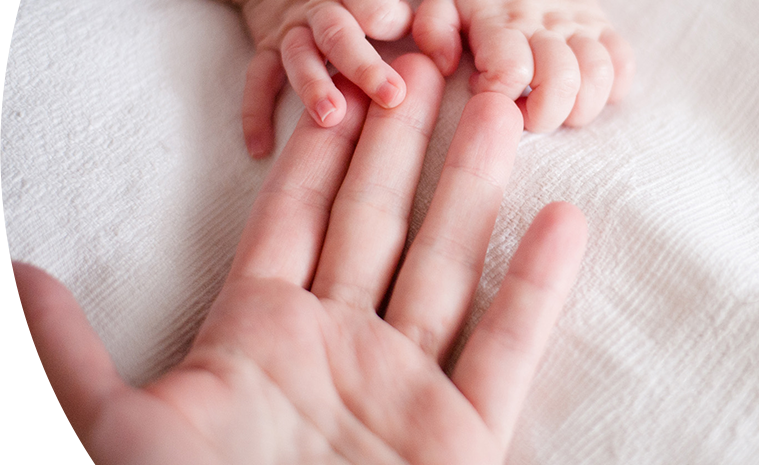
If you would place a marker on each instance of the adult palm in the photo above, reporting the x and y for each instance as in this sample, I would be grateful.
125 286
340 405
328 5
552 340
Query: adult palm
293 363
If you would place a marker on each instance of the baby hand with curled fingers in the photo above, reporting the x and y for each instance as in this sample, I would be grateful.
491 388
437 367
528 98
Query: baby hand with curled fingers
560 60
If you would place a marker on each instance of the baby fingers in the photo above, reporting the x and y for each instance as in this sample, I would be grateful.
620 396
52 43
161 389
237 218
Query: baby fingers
555 85
504 61
263 81
299 38
597 76
381 19
623 60
571 62
309 77
340 38
436 31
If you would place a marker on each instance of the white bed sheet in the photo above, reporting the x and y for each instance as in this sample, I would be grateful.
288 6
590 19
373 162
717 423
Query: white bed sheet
124 174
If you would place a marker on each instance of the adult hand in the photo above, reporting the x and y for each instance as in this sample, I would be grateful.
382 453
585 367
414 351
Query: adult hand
293 364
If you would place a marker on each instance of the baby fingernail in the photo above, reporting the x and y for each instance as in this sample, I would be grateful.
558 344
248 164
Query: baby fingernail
389 95
324 108
256 147
443 62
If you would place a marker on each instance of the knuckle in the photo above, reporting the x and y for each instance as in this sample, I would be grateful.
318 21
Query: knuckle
432 29
521 343
406 121
333 36
388 20
599 73
380 198
367 73
452 250
511 75
311 89
565 84
293 47
482 174
379 19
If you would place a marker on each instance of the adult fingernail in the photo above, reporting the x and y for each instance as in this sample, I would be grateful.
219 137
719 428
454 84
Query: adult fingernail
324 108
389 95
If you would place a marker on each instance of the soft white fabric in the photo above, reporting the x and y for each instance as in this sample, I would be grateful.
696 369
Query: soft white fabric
124 173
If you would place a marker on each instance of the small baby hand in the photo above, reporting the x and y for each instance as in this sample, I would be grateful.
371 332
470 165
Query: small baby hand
298 37
565 51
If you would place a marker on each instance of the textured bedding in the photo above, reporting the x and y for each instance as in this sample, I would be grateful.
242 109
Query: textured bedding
125 175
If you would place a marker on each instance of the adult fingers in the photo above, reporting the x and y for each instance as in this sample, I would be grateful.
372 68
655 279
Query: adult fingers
499 359
436 31
75 360
623 58
381 19
369 219
503 59
309 77
341 40
444 263
263 81
555 85
288 220
597 78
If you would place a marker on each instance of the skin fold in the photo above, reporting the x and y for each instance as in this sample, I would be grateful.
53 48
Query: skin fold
564 52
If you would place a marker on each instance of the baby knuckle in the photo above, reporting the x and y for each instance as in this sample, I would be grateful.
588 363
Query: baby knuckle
380 19
312 89
367 72
513 76
333 36
292 48
430 32
566 84
600 72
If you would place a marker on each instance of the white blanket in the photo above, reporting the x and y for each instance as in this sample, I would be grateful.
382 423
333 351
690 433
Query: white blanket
124 174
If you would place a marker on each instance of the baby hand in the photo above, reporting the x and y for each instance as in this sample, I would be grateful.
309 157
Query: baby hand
564 50
298 37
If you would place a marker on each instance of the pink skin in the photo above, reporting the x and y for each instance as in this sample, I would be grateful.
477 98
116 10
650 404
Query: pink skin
292 364
297 36
566 51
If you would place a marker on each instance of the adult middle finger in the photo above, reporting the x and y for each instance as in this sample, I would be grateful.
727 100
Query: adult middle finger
369 219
